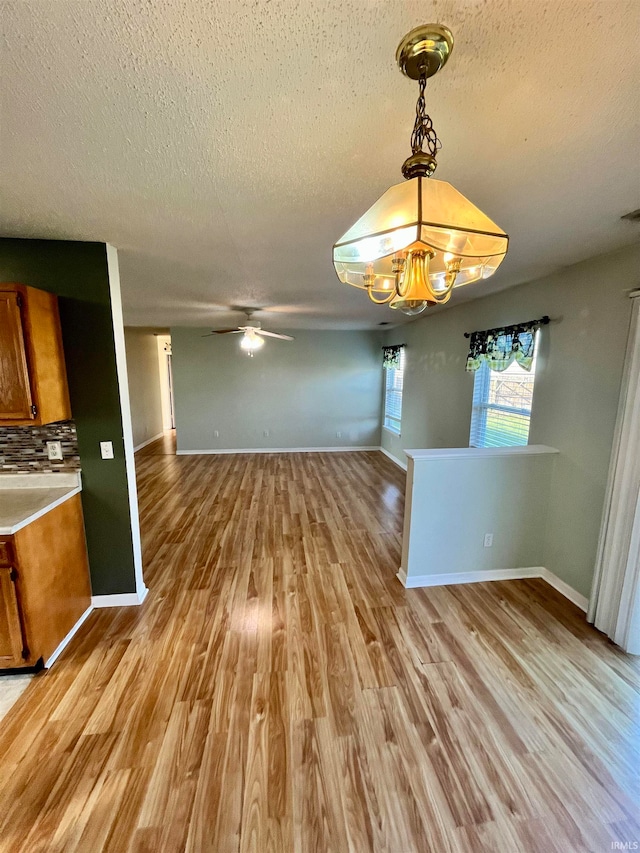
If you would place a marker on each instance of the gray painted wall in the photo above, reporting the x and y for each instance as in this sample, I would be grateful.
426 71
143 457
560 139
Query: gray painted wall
144 383
303 392
576 392
452 503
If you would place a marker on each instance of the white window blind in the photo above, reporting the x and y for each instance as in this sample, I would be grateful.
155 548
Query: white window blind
393 396
502 405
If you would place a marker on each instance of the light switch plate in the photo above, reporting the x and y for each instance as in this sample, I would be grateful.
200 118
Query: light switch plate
106 449
54 451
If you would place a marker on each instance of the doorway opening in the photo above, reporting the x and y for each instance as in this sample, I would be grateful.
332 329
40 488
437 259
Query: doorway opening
166 382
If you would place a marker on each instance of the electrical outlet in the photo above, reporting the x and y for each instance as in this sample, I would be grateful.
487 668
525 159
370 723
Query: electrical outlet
488 540
338 434
216 433
266 433
106 449
54 451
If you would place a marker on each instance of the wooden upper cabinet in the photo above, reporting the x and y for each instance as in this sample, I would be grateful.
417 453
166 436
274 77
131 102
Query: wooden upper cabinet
15 387
33 378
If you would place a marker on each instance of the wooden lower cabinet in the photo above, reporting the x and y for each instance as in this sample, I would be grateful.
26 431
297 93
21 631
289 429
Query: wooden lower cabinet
11 642
44 585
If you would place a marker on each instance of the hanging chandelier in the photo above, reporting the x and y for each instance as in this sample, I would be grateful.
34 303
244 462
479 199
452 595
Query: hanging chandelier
422 237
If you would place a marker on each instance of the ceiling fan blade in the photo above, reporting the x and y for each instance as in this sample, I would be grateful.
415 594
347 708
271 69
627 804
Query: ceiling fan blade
225 332
274 335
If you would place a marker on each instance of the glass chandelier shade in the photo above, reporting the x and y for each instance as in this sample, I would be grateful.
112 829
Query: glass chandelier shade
458 241
422 237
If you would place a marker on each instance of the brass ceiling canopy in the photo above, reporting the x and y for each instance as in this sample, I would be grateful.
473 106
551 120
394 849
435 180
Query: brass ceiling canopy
424 51
421 238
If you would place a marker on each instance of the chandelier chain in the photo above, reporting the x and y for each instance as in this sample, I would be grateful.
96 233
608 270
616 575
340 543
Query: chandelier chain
423 131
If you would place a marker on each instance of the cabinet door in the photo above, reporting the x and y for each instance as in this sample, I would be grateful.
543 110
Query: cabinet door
10 630
15 388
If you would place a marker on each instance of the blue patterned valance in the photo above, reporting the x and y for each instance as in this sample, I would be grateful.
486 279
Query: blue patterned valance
500 347
391 356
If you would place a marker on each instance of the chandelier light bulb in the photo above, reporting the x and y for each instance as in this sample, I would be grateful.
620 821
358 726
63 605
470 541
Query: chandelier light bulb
409 306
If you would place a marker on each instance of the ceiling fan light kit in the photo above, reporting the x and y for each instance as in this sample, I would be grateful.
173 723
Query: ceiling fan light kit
253 334
422 237
250 342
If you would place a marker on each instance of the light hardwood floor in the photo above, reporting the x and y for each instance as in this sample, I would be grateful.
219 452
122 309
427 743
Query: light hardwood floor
280 691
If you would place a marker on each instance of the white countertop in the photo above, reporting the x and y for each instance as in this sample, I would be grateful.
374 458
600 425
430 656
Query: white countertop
26 497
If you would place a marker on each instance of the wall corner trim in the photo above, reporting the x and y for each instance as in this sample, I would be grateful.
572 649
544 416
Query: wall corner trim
55 654
400 464
421 581
117 321
148 441
122 599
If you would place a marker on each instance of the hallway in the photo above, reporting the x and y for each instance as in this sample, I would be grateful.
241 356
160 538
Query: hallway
279 690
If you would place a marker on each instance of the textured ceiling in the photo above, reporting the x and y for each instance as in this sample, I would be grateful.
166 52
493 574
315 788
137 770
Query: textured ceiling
224 146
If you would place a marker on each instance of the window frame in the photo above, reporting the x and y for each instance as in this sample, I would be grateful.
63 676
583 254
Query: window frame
482 377
390 377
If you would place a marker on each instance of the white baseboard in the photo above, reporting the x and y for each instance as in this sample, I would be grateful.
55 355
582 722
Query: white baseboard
275 450
62 646
351 449
400 464
148 441
563 588
402 577
123 599
417 581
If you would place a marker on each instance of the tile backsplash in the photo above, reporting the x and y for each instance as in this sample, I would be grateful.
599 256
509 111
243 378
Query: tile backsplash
23 449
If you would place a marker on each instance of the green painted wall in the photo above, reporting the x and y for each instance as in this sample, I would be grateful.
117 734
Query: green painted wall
77 273
576 392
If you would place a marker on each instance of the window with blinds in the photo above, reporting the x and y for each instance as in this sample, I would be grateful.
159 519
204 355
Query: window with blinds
502 405
393 396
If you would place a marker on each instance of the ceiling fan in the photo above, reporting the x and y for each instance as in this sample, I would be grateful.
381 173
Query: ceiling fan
252 333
